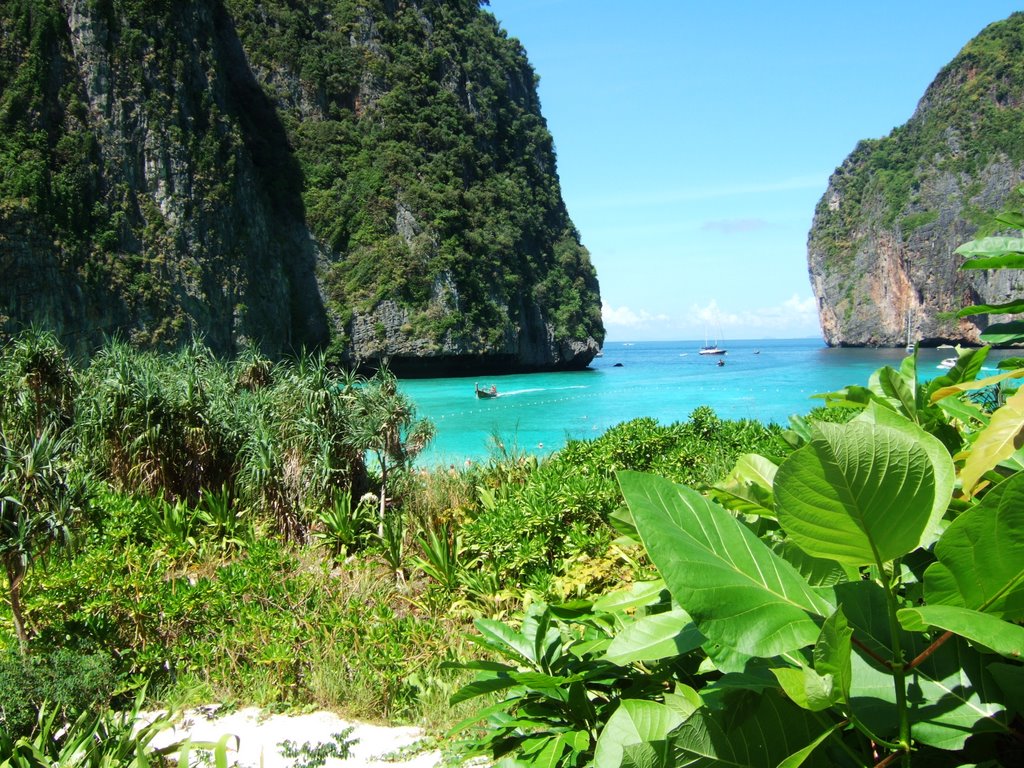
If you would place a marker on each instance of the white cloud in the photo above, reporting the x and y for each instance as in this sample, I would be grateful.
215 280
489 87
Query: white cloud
625 317
794 317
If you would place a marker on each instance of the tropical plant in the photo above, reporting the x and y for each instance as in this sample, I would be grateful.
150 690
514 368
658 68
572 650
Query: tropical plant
393 549
559 679
998 253
160 424
865 656
66 681
106 739
312 755
384 423
39 502
37 384
339 526
442 555
850 611
224 519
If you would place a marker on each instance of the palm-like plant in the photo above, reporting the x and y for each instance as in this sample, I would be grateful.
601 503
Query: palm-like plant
38 504
384 423
37 383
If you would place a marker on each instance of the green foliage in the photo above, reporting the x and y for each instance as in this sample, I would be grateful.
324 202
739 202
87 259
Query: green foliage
96 739
315 755
39 506
856 597
409 139
532 521
37 384
557 689
972 118
998 253
67 681
341 527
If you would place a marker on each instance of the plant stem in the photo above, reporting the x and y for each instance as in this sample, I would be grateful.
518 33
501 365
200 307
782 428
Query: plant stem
930 649
884 662
899 670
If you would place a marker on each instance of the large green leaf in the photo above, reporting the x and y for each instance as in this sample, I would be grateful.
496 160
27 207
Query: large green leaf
857 493
756 731
1009 308
1004 333
942 464
737 591
505 640
748 486
981 556
1010 678
806 688
992 248
971 385
833 653
636 721
998 441
901 390
952 694
799 757
969 363
649 754
637 595
653 637
817 571
1001 636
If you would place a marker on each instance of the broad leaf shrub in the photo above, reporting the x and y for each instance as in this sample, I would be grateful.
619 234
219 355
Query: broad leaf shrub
68 681
859 603
546 519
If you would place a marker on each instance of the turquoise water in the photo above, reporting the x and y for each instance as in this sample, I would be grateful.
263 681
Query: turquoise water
765 380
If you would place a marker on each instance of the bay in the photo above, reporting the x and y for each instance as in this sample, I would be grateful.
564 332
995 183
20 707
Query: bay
766 380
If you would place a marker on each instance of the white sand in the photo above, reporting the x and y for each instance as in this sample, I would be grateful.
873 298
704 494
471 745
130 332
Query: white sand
258 739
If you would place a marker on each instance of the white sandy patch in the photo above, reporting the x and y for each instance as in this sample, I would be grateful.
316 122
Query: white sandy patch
259 739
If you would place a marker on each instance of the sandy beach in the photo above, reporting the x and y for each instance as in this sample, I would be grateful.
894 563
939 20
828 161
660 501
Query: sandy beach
259 739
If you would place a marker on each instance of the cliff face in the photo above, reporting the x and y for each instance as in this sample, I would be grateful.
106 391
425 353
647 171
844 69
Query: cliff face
371 178
881 246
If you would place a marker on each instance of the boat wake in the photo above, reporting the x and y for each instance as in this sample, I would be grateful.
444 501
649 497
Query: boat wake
510 392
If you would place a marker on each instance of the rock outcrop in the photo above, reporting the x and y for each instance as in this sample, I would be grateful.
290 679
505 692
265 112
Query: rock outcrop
881 246
373 179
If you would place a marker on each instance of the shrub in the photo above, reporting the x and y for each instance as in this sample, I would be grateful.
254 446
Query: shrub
70 682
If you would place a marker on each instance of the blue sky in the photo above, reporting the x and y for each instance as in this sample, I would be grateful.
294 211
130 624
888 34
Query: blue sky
695 139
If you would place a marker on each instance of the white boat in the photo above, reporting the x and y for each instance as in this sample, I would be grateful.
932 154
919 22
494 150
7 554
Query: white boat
948 363
711 348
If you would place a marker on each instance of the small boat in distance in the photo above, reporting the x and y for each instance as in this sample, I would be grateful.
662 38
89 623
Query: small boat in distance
485 394
948 363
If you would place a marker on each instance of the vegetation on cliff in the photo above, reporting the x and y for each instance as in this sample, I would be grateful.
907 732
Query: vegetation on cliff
971 116
881 249
172 160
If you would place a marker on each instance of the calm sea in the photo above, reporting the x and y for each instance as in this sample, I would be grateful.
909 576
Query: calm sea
765 380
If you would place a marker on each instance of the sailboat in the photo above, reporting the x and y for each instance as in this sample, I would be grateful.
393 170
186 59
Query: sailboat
910 343
711 348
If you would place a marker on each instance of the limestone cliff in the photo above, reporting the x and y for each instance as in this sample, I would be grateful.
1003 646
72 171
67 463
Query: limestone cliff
881 246
371 178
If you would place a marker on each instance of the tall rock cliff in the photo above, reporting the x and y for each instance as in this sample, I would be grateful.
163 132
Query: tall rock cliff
881 246
373 178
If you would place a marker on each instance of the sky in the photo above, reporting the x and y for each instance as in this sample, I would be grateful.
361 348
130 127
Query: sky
694 140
